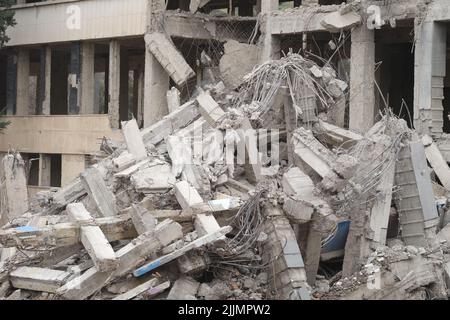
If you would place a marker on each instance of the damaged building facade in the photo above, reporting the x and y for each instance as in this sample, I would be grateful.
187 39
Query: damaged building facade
101 95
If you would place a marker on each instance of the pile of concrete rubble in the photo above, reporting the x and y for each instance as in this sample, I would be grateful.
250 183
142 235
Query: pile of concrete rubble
250 192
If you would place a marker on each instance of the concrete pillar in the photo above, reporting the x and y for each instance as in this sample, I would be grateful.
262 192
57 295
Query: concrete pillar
362 76
429 74
11 83
87 78
140 103
156 86
74 78
269 5
124 85
271 44
23 74
71 167
45 170
44 81
13 188
114 84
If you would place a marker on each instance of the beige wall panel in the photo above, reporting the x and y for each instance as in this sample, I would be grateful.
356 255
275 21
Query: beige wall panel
57 22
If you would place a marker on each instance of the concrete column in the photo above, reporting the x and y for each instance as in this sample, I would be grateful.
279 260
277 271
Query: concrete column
362 76
269 5
124 85
271 44
140 104
429 74
156 86
74 78
87 77
45 170
23 74
71 167
114 84
44 81
11 84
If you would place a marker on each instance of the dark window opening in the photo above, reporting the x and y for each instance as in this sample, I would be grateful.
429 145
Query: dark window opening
395 71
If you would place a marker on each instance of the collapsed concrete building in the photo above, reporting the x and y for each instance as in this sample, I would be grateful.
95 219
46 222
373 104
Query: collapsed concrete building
118 85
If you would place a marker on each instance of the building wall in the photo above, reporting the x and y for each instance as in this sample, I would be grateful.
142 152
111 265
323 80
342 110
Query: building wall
75 134
57 21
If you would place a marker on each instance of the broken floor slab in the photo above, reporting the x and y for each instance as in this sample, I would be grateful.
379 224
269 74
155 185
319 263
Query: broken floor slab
169 57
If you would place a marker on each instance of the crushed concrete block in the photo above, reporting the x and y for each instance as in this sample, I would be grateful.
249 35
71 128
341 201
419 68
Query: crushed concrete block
238 60
185 288
209 109
133 139
169 57
13 188
186 195
173 99
335 21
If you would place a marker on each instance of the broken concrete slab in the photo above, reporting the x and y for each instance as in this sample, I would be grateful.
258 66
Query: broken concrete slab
13 188
437 161
185 288
129 257
142 219
335 21
137 290
65 234
238 60
169 57
186 195
209 109
93 239
38 279
197 243
96 187
133 139
155 176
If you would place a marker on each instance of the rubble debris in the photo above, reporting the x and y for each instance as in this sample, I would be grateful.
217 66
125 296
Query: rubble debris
96 187
338 216
93 239
237 61
38 279
133 139
184 288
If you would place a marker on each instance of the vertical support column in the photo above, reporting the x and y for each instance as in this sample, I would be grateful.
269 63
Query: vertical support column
44 81
156 86
45 170
429 74
11 83
270 43
87 77
23 74
269 5
74 78
71 167
362 79
140 110
124 85
114 84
